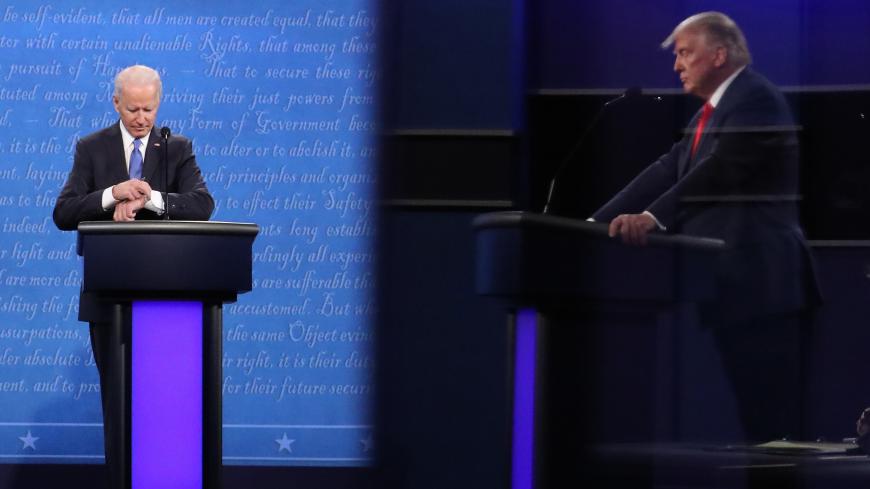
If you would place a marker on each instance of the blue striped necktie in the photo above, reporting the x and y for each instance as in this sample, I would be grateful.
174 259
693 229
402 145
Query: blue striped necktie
136 160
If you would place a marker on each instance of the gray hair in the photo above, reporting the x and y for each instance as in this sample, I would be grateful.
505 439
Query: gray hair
718 28
139 75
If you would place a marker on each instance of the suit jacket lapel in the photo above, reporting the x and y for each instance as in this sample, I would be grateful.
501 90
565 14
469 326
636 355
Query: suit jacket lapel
115 148
705 145
685 161
152 159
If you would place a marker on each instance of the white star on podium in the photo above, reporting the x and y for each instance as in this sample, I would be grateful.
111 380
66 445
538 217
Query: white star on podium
284 443
29 441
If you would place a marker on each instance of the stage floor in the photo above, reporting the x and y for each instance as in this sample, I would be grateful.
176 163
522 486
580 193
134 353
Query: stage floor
773 465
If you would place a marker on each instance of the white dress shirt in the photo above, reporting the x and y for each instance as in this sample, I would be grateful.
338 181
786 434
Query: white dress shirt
155 200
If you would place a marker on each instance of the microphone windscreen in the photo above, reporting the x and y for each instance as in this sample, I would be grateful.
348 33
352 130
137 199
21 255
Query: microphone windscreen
165 132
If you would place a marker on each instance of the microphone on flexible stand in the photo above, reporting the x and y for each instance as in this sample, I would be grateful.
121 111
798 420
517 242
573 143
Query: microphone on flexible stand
164 134
628 94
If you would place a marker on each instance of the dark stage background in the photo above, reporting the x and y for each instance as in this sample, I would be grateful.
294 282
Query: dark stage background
480 105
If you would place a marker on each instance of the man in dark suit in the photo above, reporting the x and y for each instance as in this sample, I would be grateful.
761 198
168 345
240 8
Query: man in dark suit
103 185
734 176
112 176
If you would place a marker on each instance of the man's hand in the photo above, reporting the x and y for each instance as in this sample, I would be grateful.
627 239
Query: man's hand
862 426
126 210
131 190
633 228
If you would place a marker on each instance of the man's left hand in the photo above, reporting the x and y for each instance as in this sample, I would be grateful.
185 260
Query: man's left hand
633 228
126 210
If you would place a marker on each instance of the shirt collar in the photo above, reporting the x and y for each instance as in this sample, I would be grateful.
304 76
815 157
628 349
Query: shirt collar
720 91
128 138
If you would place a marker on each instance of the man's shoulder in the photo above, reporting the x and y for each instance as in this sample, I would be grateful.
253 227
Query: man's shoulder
761 82
179 141
103 134
751 82
179 138
753 93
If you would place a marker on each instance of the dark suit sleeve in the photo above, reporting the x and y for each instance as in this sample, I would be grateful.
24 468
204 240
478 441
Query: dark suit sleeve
189 198
79 199
649 185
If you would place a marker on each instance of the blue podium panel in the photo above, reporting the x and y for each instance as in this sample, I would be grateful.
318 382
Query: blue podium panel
167 395
525 326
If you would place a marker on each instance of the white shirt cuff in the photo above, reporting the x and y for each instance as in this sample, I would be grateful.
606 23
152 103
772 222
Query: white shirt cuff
661 228
155 204
108 200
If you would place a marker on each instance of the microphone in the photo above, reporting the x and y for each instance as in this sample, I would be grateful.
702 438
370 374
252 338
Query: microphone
164 134
629 93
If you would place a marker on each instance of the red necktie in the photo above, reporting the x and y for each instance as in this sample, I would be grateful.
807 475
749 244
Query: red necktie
705 115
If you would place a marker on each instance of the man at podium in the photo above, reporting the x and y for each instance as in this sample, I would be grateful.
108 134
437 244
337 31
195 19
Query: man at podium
118 174
115 168
734 176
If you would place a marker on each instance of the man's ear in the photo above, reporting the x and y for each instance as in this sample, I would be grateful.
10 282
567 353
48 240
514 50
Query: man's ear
721 57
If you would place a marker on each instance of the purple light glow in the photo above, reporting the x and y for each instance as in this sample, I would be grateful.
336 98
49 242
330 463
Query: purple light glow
166 412
522 466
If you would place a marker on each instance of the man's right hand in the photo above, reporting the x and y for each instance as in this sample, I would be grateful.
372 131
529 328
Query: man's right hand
131 190
632 228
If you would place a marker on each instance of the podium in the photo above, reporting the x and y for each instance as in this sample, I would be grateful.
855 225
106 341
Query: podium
165 283
579 306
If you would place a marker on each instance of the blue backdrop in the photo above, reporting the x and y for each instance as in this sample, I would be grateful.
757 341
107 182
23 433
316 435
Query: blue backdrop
278 100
